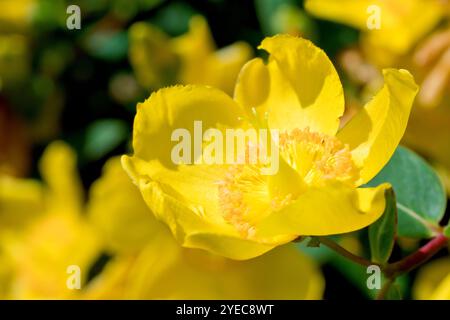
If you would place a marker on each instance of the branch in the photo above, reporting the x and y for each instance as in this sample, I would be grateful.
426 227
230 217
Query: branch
417 258
344 252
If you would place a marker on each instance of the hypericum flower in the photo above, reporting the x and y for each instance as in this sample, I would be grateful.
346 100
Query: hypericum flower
433 281
402 23
232 209
149 264
56 235
188 59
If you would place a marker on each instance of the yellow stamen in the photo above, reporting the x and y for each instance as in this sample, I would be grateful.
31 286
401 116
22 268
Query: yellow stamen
318 157
244 194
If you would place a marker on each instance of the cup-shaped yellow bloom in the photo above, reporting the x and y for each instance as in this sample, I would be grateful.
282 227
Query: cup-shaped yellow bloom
233 209
149 264
433 281
188 59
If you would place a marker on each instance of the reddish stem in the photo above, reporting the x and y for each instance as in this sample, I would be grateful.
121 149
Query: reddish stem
417 258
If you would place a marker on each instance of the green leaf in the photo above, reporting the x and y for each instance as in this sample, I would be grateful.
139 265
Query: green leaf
284 16
421 198
174 18
382 233
106 44
447 231
103 136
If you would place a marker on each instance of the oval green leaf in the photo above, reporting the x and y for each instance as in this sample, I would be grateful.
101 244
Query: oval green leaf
421 198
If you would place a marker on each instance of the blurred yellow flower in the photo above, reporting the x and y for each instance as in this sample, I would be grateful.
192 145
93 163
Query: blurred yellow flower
433 281
58 237
191 58
16 14
119 214
21 201
149 263
235 211
406 39
402 23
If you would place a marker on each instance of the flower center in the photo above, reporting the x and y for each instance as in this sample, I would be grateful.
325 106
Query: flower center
245 197
244 193
318 157
241 193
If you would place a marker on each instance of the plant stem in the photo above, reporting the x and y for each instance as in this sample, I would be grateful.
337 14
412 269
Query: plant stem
384 290
417 258
393 270
343 252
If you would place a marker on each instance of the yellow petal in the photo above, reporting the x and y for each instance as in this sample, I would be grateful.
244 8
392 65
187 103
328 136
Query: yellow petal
283 273
332 210
202 64
443 291
118 212
178 108
375 132
59 170
433 281
193 48
112 282
402 23
351 12
20 201
222 67
187 201
151 57
52 244
252 86
298 88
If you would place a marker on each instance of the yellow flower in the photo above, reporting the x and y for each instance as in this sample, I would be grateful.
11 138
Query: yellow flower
150 264
234 210
117 211
21 201
433 281
189 59
58 237
401 23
